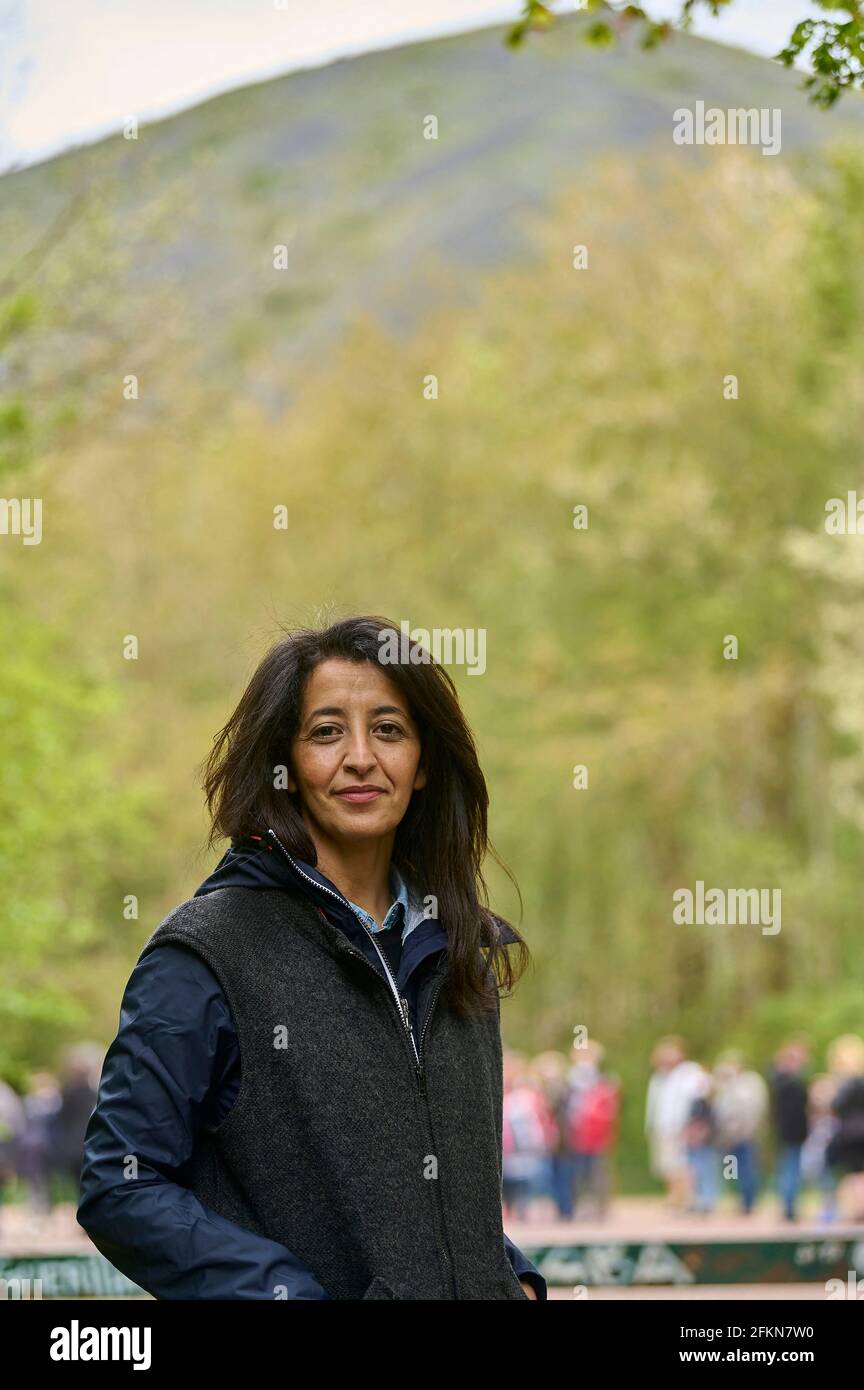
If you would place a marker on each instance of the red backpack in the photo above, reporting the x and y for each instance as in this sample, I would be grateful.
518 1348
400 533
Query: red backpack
593 1119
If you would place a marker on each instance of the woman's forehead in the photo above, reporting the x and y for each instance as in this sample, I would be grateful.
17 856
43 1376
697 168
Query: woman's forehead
340 682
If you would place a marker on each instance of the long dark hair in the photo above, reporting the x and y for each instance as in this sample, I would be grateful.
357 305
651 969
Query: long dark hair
442 840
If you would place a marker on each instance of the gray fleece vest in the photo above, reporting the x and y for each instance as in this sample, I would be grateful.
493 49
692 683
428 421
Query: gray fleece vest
385 1180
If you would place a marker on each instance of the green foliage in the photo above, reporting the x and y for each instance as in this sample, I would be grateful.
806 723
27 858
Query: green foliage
63 316
19 313
70 830
834 48
15 434
537 16
599 33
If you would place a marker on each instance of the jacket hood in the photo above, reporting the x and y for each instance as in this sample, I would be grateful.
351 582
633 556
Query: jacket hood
251 862
255 861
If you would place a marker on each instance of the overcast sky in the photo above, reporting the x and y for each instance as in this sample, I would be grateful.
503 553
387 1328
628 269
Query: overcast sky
72 70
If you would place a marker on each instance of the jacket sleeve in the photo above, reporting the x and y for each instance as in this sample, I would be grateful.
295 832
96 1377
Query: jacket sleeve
523 1269
160 1085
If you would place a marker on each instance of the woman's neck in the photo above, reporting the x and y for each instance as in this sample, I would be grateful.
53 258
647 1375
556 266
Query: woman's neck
361 871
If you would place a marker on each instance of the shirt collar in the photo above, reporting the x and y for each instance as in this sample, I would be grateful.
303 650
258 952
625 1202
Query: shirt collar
397 911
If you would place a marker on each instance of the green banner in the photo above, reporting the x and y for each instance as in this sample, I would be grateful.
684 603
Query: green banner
595 1264
62 1276
699 1262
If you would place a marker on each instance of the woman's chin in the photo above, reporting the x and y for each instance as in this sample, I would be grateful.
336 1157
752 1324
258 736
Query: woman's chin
358 824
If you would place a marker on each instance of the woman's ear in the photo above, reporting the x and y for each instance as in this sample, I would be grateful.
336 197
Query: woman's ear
420 777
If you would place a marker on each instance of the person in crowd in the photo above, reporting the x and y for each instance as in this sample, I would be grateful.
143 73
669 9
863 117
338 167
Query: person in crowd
79 1072
11 1131
845 1151
516 1175
530 1138
822 1126
592 1121
699 1138
740 1112
789 1103
552 1070
674 1084
42 1105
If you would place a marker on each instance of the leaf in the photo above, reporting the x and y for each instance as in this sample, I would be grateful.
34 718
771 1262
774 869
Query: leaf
656 33
515 37
600 34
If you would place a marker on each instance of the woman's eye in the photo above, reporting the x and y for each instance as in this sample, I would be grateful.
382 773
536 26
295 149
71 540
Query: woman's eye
325 731
389 730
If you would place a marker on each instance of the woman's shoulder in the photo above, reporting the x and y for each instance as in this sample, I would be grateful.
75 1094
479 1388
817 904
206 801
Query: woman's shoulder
203 919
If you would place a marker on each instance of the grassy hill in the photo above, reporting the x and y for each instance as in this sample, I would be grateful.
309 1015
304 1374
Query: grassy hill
179 226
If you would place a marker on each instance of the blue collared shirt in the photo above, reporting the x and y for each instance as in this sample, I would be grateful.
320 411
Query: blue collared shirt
396 912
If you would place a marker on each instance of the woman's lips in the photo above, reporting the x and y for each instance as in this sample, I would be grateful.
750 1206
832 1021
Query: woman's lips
360 794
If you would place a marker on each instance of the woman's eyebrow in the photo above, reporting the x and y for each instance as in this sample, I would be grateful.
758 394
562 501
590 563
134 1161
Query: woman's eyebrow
337 709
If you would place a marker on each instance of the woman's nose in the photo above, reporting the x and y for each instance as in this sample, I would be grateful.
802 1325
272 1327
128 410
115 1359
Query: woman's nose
360 754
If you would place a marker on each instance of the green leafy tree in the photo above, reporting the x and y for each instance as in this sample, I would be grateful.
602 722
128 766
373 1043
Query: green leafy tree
834 46
75 827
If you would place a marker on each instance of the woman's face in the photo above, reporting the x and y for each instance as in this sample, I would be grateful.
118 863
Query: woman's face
356 758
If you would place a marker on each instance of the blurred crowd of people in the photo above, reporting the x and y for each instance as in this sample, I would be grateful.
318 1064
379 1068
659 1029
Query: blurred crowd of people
561 1120
560 1126
705 1127
42 1132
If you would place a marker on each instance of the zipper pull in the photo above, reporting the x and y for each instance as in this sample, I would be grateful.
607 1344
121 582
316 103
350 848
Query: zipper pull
421 1081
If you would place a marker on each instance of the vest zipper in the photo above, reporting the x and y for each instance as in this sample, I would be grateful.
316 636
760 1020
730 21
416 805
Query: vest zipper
405 1016
401 1004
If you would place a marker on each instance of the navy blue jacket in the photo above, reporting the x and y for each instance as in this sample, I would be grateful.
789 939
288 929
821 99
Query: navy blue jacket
174 1069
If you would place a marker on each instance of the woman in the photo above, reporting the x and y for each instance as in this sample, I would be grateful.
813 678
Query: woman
304 1096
